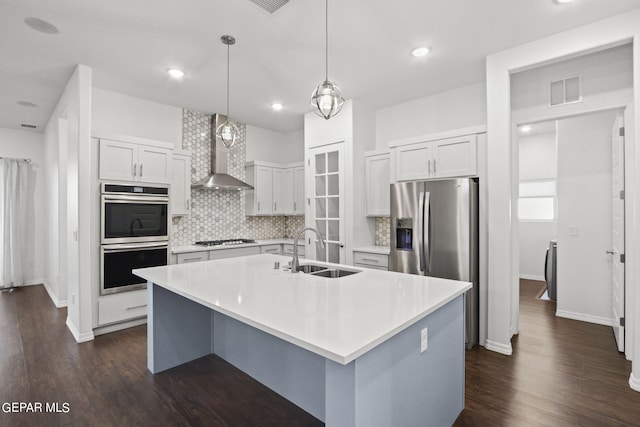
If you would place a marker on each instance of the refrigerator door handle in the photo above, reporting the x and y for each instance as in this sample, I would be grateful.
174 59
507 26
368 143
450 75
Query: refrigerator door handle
424 231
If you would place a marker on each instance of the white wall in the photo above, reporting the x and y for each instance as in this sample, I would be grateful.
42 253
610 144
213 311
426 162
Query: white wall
454 109
606 81
22 144
116 113
270 146
538 160
584 202
68 167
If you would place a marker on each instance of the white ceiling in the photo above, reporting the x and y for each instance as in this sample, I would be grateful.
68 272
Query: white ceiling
129 44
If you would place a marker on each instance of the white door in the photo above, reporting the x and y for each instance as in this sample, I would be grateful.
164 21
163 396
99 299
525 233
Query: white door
327 210
617 251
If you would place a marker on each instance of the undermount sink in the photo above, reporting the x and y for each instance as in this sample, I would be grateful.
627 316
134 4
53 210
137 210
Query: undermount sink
326 271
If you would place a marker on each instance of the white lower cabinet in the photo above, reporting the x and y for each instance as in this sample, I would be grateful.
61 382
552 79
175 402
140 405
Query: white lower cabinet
186 257
271 249
287 249
371 260
233 252
122 306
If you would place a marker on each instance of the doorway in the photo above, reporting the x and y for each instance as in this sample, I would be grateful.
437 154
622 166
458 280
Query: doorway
566 195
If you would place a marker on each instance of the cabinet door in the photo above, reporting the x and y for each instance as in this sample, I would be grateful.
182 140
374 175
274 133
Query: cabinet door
377 183
264 190
118 160
414 161
154 164
298 190
283 191
180 184
455 157
233 252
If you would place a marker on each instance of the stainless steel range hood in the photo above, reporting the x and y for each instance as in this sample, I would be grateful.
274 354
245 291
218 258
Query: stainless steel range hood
218 178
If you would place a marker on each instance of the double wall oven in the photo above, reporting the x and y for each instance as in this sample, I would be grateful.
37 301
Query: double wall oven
134 223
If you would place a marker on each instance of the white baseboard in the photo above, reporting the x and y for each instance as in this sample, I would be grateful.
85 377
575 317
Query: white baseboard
634 382
58 303
33 282
88 336
532 277
505 349
606 321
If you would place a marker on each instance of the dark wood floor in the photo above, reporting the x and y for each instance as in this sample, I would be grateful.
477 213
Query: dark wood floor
562 372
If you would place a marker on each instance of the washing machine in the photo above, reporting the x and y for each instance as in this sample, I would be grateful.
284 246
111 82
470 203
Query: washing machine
550 269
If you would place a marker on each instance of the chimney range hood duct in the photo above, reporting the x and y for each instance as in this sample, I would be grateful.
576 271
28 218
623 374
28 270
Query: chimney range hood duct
218 178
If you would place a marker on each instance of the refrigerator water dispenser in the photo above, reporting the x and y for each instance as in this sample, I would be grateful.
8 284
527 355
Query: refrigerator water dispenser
404 234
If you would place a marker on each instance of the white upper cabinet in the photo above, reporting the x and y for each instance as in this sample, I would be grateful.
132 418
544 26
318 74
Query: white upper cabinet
180 183
378 178
133 161
274 189
298 190
440 158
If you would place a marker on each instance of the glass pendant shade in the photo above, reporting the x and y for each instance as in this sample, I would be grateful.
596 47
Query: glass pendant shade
228 133
327 100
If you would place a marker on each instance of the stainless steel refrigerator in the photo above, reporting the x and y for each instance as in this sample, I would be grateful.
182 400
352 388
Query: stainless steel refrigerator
434 232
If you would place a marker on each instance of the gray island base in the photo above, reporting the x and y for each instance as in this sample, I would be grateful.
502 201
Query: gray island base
392 383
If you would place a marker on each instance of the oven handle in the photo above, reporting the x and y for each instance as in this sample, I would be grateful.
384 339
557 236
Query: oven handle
128 199
128 246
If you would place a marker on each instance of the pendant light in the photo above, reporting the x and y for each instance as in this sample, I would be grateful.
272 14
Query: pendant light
228 132
327 99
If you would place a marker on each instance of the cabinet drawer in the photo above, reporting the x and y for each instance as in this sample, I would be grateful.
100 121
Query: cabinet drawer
230 253
121 307
192 257
287 249
271 249
368 259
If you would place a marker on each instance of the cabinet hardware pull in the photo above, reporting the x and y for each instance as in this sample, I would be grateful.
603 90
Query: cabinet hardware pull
258 206
186 204
136 306
434 167
135 169
429 163
371 260
275 207
294 206
140 170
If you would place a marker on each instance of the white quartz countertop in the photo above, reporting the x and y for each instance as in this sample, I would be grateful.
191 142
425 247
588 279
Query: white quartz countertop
339 319
383 250
197 248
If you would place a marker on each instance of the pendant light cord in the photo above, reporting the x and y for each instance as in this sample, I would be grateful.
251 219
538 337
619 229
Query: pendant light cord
326 38
227 82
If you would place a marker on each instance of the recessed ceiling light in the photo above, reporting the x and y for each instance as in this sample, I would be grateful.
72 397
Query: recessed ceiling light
525 129
27 104
175 73
563 1
420 51
277 106
41 26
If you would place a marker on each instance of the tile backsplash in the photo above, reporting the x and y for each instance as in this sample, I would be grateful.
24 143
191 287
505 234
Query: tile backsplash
383 231
221 214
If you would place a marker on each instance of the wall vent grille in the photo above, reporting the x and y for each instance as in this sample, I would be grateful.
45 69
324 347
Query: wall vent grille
270 5
565 91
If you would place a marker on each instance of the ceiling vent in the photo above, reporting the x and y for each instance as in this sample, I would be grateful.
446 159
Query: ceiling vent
565 91
270 5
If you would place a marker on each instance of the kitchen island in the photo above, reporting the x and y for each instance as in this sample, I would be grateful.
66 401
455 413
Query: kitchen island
347 350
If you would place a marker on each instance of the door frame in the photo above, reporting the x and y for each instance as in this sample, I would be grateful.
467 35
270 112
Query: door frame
609 32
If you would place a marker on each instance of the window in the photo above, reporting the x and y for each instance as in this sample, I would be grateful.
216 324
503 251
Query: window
537 200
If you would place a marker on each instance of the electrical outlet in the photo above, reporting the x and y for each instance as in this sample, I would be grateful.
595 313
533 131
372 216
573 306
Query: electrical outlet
423 340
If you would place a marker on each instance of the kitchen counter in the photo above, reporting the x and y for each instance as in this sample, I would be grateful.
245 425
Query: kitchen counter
261 242
304 335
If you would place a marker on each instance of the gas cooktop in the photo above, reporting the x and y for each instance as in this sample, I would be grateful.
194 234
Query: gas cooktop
227 242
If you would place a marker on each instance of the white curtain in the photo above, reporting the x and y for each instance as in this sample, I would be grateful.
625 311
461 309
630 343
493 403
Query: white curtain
14 176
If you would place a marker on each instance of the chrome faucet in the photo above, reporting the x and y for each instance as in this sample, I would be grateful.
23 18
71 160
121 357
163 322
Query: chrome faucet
295 262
